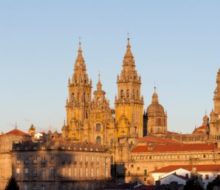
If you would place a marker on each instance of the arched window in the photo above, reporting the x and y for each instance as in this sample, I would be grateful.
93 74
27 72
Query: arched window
72 96
98 127
122 93
98 140
127 93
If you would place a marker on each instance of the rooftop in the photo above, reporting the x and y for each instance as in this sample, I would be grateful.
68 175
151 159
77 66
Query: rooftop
17 132
204 168
178 147
160 140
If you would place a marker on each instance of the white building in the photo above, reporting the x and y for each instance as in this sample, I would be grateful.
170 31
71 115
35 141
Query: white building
181 173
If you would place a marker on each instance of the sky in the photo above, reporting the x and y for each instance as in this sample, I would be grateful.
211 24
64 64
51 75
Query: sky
176 45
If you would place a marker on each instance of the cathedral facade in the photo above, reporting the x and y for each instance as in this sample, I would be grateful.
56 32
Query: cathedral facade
90 118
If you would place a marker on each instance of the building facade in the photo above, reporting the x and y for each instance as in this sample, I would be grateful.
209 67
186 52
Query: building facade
6 145
60 165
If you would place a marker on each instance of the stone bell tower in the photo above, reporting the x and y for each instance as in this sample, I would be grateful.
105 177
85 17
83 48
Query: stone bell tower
129 102
78 102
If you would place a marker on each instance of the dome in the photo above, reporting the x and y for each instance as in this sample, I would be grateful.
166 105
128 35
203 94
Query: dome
155 108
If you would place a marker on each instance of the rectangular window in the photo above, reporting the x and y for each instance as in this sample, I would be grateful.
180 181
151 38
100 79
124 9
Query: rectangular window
44 173
35 173
75 172
25 187
63 171
26 170
52 172
69 170
87 172
81 172
17 170
92 173
97 172
107 172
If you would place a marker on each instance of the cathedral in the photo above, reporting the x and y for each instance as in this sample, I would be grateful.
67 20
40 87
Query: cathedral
90 118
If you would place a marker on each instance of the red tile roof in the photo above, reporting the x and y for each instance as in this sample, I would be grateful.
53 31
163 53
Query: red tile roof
151 139
199 168
17 132
173 148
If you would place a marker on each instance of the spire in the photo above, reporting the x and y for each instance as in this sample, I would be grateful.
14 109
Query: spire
80 62
128 57
99 84
79 75
155 96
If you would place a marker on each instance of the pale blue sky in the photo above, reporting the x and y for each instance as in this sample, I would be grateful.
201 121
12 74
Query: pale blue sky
176 45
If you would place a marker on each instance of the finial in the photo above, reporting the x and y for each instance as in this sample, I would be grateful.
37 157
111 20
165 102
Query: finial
99 84
128 39
155 96
155 89
80 44
99 75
